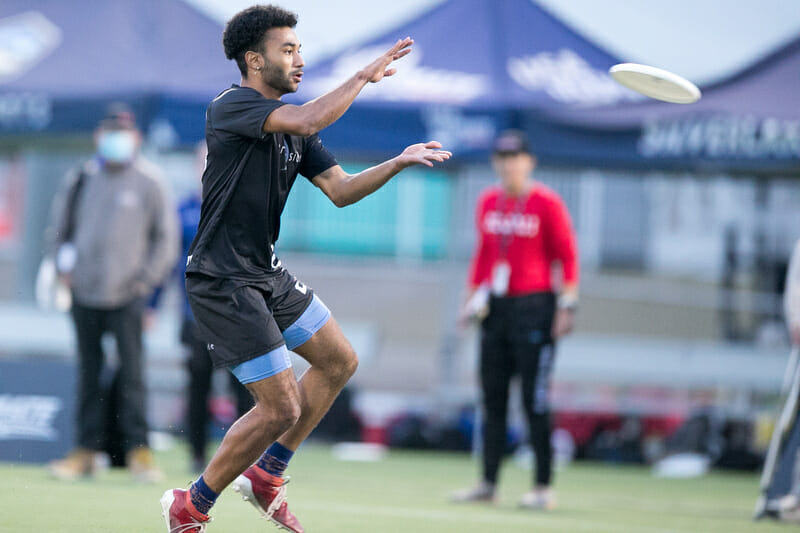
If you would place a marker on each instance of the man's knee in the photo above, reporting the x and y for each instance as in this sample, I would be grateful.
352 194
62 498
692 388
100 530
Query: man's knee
343 365
288 417
350 364
278 416
277 402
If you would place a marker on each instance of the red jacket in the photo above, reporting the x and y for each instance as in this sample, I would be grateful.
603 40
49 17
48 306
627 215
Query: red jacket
531 233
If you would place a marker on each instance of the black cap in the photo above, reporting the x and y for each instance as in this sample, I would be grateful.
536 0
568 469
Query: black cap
119 116
511 142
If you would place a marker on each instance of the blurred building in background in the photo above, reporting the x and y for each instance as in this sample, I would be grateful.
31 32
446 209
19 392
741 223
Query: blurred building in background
685 215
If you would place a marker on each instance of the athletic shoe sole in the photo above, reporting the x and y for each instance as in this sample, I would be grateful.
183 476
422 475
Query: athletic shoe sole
244 486
166 504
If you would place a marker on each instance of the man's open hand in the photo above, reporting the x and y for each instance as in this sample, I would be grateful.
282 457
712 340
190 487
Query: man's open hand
378 69
423 154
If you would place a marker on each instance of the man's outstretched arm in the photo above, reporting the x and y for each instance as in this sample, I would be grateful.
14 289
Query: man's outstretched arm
344 189
313 116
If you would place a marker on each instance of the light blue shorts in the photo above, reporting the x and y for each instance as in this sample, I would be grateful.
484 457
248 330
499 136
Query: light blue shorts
313 318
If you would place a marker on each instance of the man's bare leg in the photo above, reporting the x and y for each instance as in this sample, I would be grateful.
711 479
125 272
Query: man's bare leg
333 362
277 408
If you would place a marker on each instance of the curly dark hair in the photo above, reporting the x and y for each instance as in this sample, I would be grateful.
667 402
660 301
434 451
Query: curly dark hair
245 31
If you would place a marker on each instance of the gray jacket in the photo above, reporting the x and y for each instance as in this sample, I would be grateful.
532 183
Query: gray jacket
125 233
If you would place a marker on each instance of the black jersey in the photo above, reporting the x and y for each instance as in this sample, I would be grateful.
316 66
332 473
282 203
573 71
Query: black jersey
246 182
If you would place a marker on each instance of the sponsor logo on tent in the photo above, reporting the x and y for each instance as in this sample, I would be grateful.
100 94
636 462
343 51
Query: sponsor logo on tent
26 110
412 83
457 130
29 417
566 77
723 136
25 40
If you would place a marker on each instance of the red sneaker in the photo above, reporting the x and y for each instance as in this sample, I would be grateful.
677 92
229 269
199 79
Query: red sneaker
267 493
179 513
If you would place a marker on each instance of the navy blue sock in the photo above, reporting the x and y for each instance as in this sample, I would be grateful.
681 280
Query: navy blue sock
275 459
202 496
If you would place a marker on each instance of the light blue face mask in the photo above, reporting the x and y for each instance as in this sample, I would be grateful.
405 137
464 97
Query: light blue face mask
117 146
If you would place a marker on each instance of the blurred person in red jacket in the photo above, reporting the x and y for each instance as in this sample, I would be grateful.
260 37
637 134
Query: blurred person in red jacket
524 231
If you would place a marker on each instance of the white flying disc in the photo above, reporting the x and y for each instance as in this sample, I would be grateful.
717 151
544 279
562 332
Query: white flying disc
655 83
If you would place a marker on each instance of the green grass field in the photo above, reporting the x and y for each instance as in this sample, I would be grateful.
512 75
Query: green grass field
406 492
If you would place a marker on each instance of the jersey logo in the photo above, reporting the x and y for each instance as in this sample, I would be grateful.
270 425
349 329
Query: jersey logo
300 286
519 224
275 262
127 199
288 156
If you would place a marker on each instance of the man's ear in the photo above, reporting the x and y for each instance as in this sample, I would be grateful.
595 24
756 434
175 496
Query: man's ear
254 60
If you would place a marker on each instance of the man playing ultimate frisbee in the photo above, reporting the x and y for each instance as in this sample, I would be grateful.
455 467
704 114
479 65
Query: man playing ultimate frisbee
250 310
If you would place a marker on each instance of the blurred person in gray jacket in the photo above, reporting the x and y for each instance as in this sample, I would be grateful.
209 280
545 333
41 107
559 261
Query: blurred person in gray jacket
113 234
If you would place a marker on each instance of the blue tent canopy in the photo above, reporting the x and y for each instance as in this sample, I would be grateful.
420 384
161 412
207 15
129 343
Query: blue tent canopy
63 62
475 67
749 121
479 66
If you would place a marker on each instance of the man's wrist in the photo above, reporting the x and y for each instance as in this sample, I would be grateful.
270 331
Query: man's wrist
568 300
362 78
398 164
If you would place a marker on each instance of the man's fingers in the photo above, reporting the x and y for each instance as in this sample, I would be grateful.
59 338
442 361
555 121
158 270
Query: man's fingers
401 44
428 158
401 53
401 48
427 153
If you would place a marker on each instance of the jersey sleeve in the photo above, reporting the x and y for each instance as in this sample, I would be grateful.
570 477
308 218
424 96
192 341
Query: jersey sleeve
316 158
240 112
480 266
561 240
